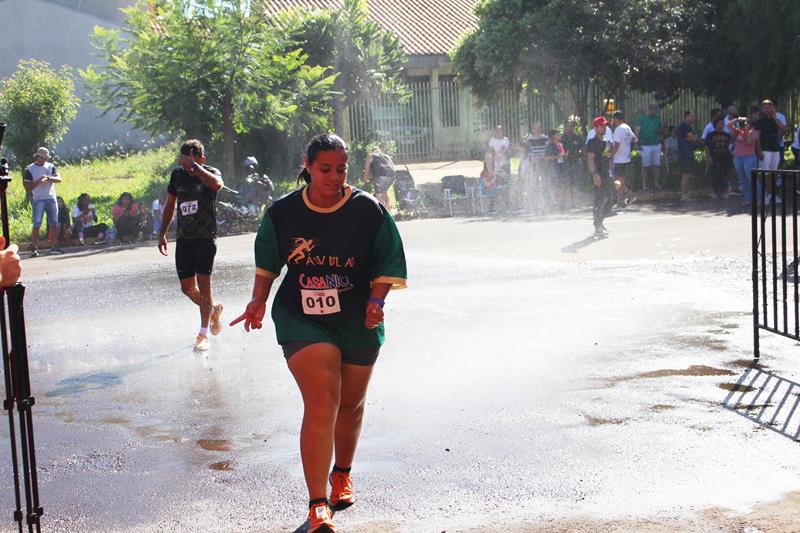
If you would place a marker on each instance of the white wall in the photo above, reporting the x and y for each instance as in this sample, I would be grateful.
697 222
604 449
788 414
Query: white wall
35 29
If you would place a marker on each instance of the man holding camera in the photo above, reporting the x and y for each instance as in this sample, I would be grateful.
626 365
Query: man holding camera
39 179
193 188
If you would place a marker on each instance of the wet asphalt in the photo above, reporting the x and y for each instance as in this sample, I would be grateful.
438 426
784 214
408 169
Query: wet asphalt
531 375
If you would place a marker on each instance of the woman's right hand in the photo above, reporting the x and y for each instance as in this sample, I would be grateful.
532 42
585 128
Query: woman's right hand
252 316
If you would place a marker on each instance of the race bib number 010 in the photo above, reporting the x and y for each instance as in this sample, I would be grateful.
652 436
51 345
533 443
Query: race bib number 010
320 302
189 208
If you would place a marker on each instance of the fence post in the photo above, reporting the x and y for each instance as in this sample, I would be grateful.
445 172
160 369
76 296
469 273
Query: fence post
754 213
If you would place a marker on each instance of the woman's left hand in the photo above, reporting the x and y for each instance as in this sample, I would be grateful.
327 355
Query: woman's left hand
374 315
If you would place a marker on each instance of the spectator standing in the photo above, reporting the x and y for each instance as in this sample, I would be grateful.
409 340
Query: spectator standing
126 217
500 145
573 144
145 221
715 113
648 131
597 157
731 115
535 185
158 212
771 131
687 143
84 221
39 179
380 169
556 156
717 148
782 119
671 146
746 154
624 139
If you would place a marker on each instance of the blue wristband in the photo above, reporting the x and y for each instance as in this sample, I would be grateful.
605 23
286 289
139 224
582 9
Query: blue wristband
375 300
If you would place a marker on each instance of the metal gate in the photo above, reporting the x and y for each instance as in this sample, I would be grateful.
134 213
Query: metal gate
776 297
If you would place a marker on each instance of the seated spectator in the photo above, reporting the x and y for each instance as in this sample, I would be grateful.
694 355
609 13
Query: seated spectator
84 221
126 217
64 226
145 221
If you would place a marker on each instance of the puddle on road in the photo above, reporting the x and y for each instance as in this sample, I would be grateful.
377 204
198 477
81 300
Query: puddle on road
594 421
702 341
693 370
736 387
746 363
215 445
225 466
116 420
730 326
754 407
660 408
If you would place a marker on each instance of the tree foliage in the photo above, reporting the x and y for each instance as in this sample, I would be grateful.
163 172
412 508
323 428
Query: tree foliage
38 103
541 44
208 69
366 59
744 51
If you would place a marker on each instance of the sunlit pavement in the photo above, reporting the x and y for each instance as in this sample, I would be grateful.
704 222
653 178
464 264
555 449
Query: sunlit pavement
533 379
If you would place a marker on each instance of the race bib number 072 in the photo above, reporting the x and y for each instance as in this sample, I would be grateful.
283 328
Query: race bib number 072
189 208
320 302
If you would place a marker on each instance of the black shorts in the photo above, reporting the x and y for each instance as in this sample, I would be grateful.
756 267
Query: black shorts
621 170
350 356
194 256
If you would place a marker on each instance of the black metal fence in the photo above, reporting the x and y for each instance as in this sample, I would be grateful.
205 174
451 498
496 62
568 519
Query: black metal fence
776 295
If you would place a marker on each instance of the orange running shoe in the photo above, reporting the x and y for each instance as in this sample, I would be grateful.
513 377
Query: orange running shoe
341 491
320 519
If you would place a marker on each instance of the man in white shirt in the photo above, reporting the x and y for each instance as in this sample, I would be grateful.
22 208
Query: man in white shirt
623 140
39 179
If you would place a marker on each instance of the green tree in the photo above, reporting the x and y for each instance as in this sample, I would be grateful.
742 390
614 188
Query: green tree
366 59
38 103
209 69
544 44
745 51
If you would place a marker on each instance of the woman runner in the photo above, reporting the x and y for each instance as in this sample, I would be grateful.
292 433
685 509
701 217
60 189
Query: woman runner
343 254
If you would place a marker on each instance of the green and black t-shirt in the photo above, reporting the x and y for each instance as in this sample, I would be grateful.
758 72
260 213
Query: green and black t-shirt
333 256
196 212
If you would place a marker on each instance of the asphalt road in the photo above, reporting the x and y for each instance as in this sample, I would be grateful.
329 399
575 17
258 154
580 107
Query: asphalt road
533 379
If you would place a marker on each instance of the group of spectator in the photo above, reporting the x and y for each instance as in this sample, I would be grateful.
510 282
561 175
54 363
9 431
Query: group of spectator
551 166
132 220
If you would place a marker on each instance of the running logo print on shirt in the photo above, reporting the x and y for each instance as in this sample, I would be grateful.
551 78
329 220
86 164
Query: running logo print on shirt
300 247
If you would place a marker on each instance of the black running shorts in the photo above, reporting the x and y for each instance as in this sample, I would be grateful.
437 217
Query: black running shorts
194 256
621 170
350 356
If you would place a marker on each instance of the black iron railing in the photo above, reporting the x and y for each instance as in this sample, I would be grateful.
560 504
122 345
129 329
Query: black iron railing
776 298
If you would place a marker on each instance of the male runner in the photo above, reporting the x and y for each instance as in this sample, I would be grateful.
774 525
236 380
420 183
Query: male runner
193 186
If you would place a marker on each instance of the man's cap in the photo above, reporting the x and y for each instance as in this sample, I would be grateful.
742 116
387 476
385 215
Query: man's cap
42 152
599 121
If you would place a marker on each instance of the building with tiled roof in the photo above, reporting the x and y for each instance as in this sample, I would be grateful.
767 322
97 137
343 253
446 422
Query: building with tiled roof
425 27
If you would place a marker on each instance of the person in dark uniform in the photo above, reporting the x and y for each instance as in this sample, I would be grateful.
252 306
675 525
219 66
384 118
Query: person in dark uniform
193 188
598 152
343 255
